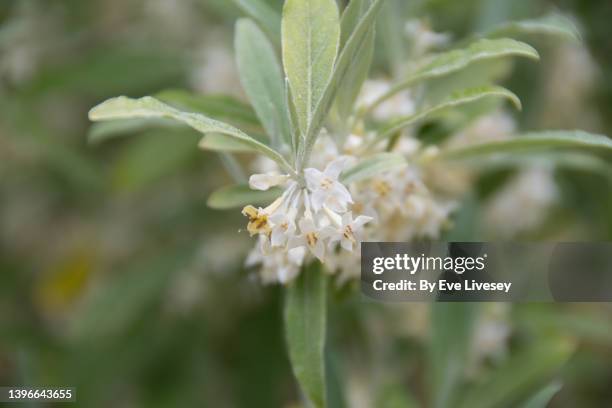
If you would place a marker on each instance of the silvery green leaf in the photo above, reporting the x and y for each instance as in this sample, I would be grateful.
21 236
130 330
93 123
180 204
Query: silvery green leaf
452 326
542 398
391 25
456 60
101 131
552 24
568 160
266 16
351 16
457 99
296 133
595 328
305 326
310 40
218 142
220 107
373 165
573 139
351 84
520 375
127 108
261 78
347 57
358 72
144 160
239 195
217 106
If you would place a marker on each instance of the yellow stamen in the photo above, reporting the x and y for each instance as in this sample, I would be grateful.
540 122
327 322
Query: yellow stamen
312 239
258 220
348 233
382 187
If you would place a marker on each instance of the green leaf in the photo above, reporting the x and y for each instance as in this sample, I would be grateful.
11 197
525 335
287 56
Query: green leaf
592 328
542 398
456 60
261 78
464 97
148 107
217 142
535 140
305 325
570 160
373 165
357 73
520 376
145 160
351 84
102 131
237 196
296 133
347 57
267 17
552 24
452 325
391 22
220 107
351 16
310 37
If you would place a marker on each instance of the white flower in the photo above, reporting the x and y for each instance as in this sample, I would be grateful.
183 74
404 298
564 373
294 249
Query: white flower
326 189
277 265
266 181
284 227
351 230
311 237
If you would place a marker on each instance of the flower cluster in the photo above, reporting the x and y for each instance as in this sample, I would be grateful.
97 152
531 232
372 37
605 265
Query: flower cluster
311 218
326 219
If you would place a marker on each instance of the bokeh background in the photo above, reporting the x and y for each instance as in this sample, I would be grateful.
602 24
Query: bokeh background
116 278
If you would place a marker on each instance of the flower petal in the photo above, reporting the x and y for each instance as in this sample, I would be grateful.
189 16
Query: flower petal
264 182
334 168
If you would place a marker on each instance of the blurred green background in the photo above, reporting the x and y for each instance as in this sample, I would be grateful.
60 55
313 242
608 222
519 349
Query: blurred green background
117 279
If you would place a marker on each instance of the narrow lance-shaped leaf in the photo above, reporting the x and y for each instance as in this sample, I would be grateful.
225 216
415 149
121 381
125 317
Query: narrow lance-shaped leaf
239 195
391 22
266 16
221 107
218 142
458 99
261 78
456 60
352 15
373 165
351 84
520 376
118 128
310 40
347 57
296 132
491 161
551 24
452 326
534 140
305 325
542 398
148 107
357 73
